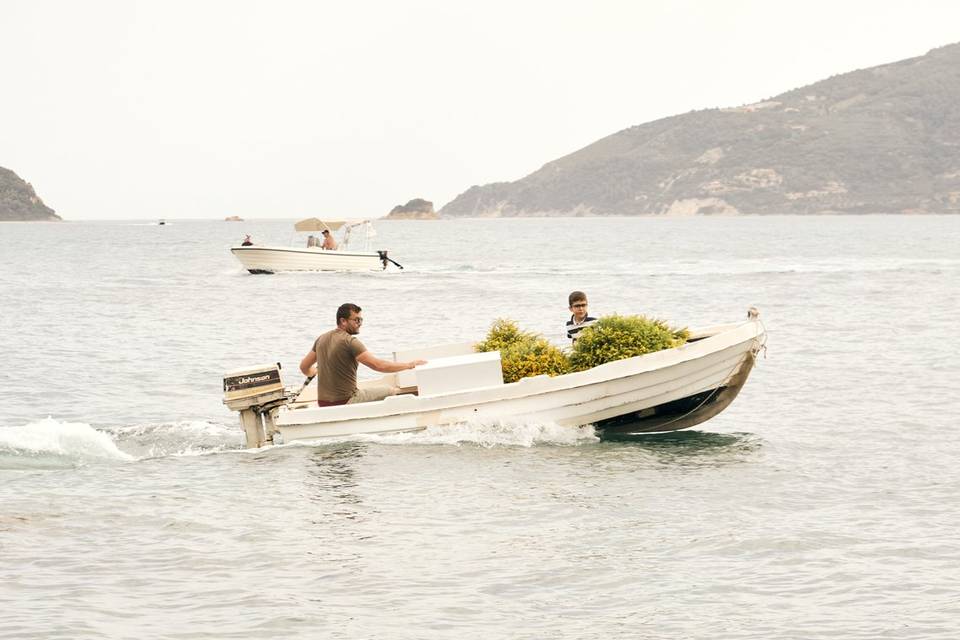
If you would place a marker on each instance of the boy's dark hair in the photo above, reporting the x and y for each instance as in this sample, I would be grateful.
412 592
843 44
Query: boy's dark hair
343 311
576 296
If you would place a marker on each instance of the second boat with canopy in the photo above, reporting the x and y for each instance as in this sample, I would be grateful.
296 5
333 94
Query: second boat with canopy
353 251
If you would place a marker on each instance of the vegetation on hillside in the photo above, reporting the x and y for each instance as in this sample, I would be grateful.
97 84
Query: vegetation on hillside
18 201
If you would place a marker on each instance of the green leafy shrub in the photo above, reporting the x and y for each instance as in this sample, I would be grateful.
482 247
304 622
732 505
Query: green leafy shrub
503 333
532 358
523 354
618 337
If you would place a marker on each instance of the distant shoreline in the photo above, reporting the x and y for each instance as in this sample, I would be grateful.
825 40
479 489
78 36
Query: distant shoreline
151 222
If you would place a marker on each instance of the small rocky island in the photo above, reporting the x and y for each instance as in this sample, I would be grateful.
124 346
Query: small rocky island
416 209
20 203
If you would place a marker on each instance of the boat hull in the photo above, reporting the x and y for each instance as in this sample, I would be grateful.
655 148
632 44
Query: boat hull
682 413
256 259
664 391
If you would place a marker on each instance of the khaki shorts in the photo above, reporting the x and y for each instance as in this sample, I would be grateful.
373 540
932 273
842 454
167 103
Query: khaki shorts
372 394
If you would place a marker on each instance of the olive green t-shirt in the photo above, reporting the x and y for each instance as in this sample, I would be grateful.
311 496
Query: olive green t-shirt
337 353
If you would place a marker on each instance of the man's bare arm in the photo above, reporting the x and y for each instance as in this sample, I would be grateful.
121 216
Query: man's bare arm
386 366
308 366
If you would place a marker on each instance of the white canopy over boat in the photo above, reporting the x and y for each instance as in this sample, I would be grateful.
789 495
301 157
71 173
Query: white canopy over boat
316 224
662 391
353 253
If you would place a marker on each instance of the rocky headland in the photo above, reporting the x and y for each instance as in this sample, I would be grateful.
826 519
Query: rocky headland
879 140
19 202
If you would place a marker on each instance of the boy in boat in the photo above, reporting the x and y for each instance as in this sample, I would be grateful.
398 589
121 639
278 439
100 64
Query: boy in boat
334 357
580 319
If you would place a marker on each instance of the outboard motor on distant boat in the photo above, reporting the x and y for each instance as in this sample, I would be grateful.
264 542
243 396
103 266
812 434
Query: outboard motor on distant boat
384 259
255 392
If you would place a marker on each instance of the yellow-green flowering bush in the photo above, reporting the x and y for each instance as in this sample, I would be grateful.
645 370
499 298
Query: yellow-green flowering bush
618 337
532 358
502 333
523 354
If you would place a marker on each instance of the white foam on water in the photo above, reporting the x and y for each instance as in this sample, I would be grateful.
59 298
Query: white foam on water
68 441
694 268
501 433
177 439
51 443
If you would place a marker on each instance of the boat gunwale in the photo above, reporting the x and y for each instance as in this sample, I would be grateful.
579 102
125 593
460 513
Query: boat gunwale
313 251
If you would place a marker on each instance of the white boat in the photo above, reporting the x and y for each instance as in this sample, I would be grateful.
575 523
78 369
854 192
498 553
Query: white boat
353 254
662 391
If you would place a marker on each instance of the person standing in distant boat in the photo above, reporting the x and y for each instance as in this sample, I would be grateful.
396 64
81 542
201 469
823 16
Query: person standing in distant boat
580 319
328 242
247 242
334 357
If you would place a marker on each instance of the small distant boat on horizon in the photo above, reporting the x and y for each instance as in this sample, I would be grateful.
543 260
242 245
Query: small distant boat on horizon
313 257
161 222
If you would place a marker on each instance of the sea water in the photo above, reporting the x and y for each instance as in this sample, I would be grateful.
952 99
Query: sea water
821 504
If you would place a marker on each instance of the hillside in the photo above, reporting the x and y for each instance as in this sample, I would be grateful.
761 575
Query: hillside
879 140
18 201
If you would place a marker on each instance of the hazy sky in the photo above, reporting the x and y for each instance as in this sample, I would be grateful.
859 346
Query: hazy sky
284 109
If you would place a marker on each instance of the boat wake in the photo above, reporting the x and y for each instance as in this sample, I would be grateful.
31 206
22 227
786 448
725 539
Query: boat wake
51 444
502 433
55 444
694 268
175 439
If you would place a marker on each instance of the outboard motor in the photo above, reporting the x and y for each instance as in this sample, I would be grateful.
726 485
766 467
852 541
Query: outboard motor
255 392
384 259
